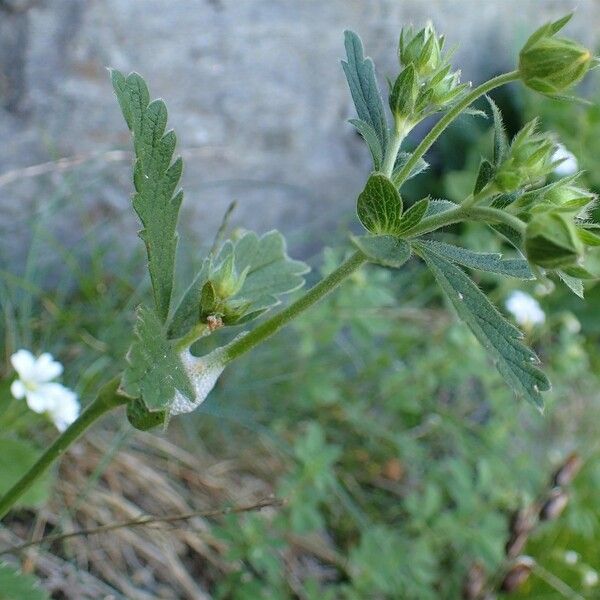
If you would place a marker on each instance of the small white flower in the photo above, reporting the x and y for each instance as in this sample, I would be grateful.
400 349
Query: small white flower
571 557
568 166
40 392
590 578
525 309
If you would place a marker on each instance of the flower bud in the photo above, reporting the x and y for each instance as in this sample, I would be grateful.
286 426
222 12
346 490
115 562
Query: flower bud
529 160
225 279
423 50
404 94
551 65
552 242
445 86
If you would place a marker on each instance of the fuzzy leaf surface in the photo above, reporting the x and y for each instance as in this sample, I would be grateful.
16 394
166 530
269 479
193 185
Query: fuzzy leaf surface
156 178
360 73
402 158
379 205
413 215
516 362
155 371
386 250
491 262
373 142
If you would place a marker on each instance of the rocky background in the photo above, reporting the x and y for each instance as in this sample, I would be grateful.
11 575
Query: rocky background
255 92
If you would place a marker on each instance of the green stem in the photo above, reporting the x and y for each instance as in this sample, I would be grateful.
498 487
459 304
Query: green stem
392 152
465 213
107 399
454 112
275 323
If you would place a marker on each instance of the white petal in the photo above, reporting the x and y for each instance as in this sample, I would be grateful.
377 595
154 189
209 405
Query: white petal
46 368
23 362
38 401
17 389
65 409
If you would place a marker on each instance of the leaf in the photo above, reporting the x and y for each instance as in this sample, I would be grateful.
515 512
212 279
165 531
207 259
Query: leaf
155 372
402 158
143 419
156 178
573 283
413 215
501 144
385 250
271 273
360 74
379 205
15 585
588 237
491 262
16 458
484 176
516 362
435 207
370 136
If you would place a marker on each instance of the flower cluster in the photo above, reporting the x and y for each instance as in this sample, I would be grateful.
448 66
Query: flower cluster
42 394
426 83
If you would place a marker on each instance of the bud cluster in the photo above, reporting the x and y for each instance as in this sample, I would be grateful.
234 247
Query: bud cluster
426 83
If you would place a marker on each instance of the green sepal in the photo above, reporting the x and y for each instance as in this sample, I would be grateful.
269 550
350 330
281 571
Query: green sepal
551 241
379 205
484 176
385 250
143 419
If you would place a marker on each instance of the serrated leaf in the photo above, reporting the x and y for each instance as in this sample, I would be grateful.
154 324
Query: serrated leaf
143 419
15 585
515 361
16 458
155 372
491 262
484 176
501 143
402 158
156 178
370 136
360 74
271 273
386 250
413 216
379 205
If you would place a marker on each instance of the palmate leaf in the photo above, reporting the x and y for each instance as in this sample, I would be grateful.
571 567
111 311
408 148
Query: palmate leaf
515 361
155 371
271 273
360 74
491 262
15 585
379 205
155 178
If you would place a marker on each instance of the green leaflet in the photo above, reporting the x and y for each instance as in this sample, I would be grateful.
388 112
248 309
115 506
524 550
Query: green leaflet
385 250
573 283
155 372
435 207
413 215
15 585
16 458
360 74
516 362
379 205
482 261
270 273
370 136
155 178
402 158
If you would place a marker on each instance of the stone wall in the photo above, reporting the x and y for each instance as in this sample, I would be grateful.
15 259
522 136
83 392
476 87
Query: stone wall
255 92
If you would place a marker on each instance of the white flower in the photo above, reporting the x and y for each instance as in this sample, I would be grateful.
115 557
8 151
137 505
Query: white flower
40 392
525 309
568 166
590 578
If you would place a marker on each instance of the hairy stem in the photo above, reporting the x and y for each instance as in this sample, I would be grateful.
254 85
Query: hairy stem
465 213
392 152
275 323
107 399
454 112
